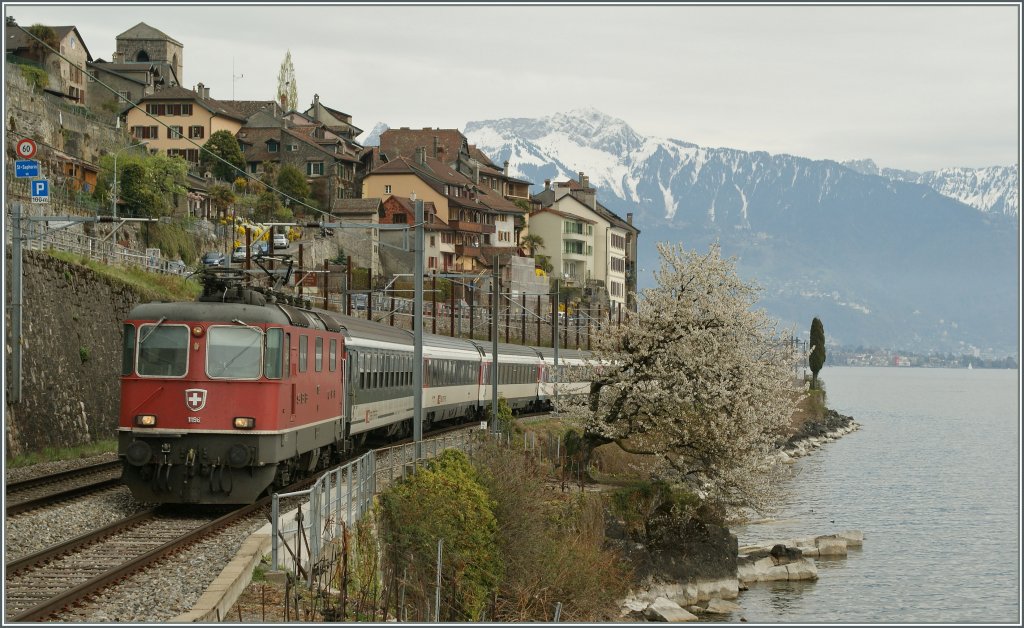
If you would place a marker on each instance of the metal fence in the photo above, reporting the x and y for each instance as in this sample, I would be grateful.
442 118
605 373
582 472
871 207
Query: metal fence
41 236
339 498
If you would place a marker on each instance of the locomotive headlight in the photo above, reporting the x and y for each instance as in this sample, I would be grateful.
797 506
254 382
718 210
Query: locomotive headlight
145 420
244 422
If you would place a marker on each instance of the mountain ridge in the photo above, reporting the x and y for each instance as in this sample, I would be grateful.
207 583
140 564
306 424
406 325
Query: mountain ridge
766 209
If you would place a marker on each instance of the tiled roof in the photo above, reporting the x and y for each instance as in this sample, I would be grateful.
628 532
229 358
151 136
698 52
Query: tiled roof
432 169
123 74
479 155
145 31
549 210
404 142
357 206
180 93
258 138
251 107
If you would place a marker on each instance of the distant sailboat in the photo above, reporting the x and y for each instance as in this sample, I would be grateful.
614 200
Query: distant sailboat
970 365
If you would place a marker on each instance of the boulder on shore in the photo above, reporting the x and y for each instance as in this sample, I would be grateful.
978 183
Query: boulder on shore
664 609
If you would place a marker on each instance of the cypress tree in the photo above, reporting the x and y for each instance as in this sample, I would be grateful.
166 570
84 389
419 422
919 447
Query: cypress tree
817 357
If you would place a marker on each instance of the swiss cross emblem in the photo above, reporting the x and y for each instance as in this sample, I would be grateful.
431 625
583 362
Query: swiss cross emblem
195 399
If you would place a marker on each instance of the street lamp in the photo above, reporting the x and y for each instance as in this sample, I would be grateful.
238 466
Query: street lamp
116 153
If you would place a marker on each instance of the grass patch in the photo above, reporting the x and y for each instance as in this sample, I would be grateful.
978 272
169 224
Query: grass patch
151 286
174 241
52 454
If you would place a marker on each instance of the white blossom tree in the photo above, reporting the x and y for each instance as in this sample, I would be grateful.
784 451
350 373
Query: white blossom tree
699 377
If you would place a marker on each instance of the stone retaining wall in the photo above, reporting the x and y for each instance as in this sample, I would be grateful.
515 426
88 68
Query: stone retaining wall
71 355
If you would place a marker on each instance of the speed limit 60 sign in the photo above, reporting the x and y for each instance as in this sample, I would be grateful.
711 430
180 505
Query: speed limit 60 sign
26 148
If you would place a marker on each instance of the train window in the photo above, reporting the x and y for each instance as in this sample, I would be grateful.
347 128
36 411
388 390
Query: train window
303 352
360 364
128 350
333 355
234 352
375 370
272 353
318 357
163 350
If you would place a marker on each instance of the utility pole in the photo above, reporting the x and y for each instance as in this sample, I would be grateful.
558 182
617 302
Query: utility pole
417 322
554 341
494 346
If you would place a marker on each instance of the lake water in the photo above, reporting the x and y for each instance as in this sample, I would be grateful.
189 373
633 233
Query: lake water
932 478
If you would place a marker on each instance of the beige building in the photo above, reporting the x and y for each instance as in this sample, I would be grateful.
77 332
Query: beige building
589 246
177 121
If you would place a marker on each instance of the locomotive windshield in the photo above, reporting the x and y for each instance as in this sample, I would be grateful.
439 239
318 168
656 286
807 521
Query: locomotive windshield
163 350
234 352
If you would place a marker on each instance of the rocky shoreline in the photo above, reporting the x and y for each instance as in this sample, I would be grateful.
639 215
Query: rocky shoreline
705 570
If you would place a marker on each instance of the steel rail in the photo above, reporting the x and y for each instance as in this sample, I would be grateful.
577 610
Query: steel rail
53 498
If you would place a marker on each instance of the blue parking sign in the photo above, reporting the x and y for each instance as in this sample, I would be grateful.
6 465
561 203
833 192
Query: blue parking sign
40 191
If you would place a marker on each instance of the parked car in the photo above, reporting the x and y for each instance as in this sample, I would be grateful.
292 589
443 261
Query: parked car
213 258
280 241
238 255
175 266
260 249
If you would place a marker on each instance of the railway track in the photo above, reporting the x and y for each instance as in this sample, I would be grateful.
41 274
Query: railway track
40 586
43 491
47 582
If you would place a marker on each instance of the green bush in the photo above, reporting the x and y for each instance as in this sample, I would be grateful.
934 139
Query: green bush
443 501
36 77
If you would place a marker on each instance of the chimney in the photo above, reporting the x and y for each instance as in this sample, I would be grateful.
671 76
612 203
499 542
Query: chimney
581 178
505 171
547 184
435 147
421 156
585 181
199 90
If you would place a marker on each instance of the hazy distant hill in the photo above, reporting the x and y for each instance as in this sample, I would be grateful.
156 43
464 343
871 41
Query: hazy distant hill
885 258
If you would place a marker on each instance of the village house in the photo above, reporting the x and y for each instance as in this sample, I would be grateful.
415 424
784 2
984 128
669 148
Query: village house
178 121
590 246
65 71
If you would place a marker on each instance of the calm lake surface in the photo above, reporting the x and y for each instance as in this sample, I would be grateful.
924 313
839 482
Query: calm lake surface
932 478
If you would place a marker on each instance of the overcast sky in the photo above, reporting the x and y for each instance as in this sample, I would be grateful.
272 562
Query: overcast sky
913 87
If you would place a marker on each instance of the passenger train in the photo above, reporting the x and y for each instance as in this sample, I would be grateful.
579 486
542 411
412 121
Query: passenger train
244 390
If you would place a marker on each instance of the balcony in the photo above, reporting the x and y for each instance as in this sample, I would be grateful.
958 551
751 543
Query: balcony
471 227
465 226
467 250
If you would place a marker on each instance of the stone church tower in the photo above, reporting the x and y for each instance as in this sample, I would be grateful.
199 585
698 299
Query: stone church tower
144 44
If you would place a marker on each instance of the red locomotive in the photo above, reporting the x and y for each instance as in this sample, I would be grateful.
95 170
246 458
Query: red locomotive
225 397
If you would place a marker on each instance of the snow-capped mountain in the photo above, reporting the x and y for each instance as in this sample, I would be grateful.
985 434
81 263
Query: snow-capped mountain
883 259
372 137
994 189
